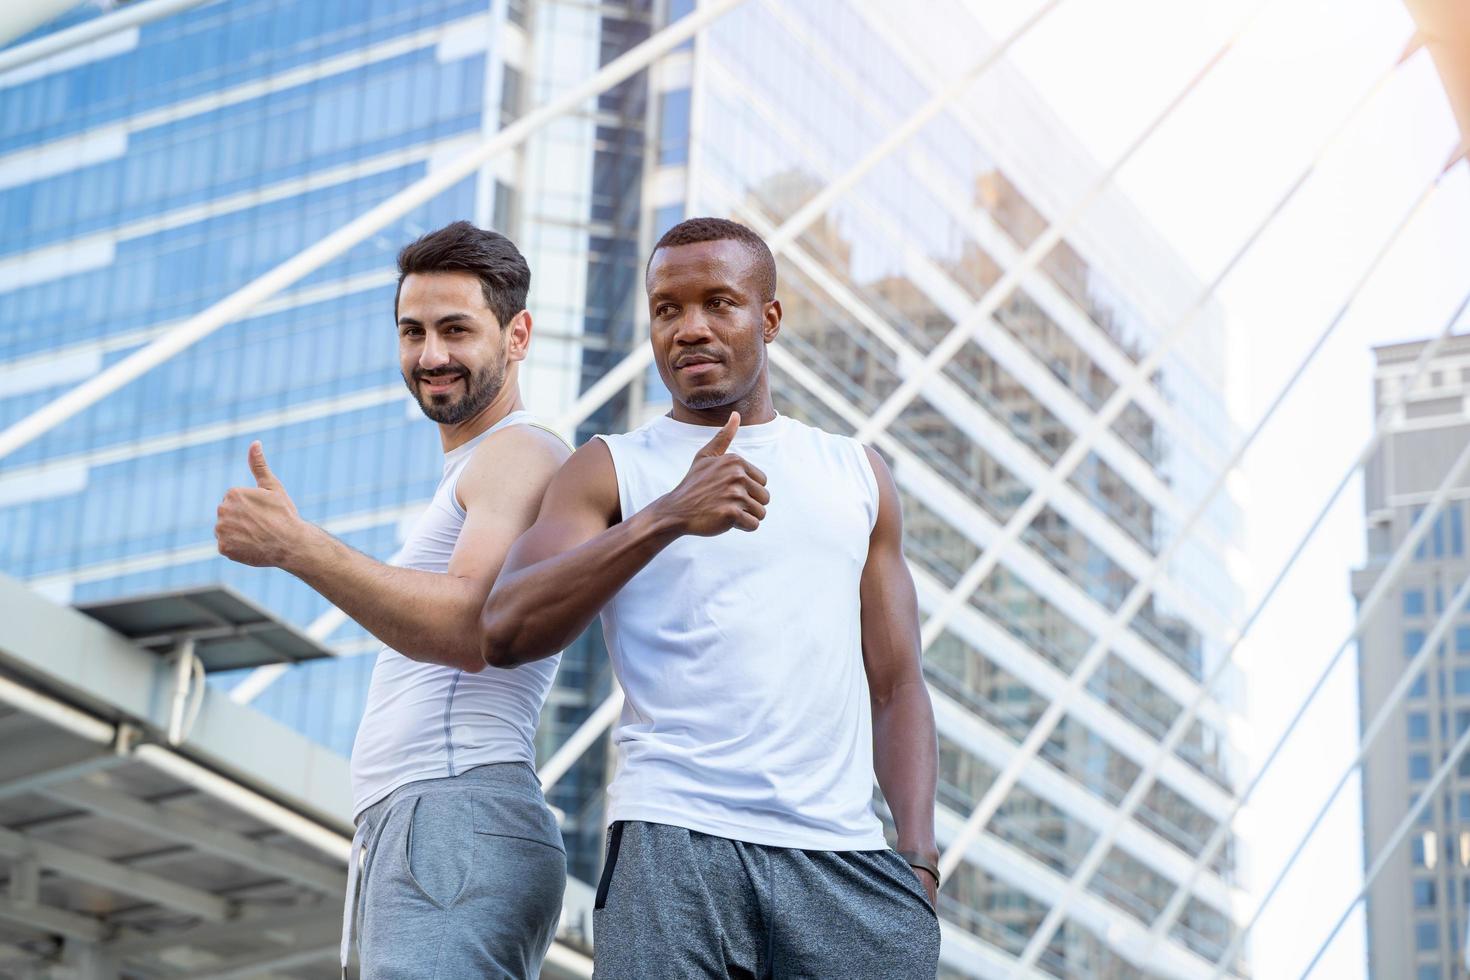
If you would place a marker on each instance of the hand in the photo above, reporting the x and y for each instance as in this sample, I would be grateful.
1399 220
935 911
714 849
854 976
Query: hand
719 492
931 885
258 525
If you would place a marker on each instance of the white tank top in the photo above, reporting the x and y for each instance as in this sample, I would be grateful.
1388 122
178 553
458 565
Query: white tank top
427 721
747 713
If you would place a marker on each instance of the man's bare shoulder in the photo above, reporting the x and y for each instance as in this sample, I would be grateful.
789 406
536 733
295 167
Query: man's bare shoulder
517 457
588 480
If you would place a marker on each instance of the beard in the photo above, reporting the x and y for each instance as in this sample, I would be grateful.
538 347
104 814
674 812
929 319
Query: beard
481 387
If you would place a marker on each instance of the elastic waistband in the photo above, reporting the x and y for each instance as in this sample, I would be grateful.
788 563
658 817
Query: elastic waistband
512 778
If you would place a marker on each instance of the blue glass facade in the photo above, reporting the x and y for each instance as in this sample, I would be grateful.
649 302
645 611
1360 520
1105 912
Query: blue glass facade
140 186
202 151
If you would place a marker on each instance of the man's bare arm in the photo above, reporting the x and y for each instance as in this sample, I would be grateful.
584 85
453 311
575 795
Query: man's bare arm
578 554
426 616
905 745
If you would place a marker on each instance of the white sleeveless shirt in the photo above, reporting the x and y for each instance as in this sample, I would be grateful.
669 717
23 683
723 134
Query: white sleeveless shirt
740 655
427 721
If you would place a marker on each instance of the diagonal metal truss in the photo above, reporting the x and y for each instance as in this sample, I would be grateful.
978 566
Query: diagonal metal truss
1370 735
246 298
1456 752
633 364
1098 852
873 428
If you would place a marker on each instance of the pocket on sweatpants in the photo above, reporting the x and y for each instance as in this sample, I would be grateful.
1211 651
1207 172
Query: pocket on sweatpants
438 849
609 864
526 817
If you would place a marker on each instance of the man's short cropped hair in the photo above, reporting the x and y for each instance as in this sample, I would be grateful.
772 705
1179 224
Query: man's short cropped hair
692 231
488 255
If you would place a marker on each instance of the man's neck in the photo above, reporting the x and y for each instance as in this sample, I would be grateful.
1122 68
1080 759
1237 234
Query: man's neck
456 435
755 409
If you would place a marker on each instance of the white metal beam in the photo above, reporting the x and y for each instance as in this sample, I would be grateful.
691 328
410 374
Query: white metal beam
1180 727
49 920
582 739
44 47
72 863
1217 840
1381 717
310 950
953 403
1073 457
18 19
632 366
201 835
371 222
1392 845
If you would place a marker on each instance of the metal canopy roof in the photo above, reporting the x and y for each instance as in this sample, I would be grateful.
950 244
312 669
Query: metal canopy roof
124 854
229 631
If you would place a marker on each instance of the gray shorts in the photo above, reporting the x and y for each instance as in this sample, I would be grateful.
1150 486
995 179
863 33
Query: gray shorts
677 904
461 877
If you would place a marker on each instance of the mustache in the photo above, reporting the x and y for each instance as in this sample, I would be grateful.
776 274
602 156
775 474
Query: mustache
454 371
702 353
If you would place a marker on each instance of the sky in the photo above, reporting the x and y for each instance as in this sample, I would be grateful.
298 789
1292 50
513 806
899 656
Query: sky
1207 179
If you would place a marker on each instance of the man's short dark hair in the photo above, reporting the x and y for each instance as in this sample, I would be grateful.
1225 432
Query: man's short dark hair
692 231
488 255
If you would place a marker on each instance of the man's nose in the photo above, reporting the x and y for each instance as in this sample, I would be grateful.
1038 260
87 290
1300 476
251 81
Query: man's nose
435 353
692 328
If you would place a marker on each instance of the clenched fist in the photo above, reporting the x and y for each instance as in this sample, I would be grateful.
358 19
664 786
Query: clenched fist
259 525
720 491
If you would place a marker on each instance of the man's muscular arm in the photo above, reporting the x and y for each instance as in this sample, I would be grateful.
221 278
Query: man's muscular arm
905 746
425 616
578 554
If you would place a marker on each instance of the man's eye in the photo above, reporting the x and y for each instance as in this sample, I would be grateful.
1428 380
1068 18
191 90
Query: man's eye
663 310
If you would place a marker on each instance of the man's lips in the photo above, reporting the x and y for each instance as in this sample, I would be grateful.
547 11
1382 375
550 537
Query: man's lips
442 383
694 364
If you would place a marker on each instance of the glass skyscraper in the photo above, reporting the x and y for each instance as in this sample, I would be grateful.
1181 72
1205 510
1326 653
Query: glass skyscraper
1417 908
151 173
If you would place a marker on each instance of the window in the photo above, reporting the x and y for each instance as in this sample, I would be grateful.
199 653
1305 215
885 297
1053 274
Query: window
1413 642
673 140
1413 602
1419 767
1426 936
1417 852
1462 639
1418 726
1420 687
1429 973
1462 680
1424 894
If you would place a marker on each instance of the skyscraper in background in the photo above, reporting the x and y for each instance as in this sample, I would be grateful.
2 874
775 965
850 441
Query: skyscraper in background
1418 905
152 172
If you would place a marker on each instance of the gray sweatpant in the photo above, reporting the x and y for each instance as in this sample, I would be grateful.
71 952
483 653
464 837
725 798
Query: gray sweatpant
677 904
462 877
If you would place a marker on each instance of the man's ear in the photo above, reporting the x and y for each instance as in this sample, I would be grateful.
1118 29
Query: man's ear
772 325
518 336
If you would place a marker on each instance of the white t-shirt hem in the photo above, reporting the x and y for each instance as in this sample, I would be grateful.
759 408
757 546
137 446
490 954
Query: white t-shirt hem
767 836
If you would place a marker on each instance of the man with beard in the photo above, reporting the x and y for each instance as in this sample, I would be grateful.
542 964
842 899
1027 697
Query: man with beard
462 864
764 629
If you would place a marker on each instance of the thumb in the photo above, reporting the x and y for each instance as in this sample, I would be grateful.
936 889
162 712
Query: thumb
264 478
723 438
